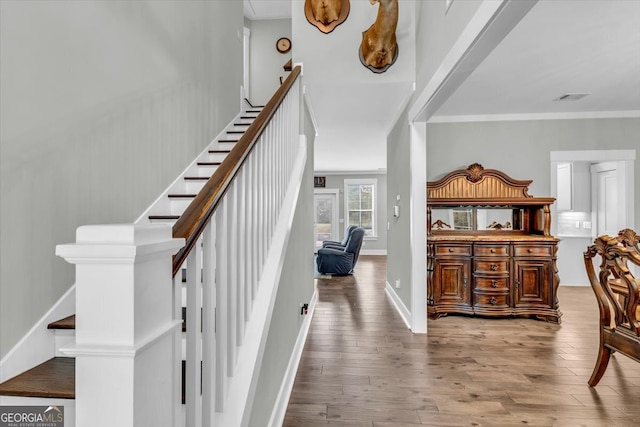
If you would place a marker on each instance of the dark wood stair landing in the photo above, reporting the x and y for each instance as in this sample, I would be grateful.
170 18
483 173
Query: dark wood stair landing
54 378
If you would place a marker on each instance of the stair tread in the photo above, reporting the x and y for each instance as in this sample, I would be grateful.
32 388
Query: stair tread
164 216
219 151
228 140
235 131
68 322
184 196
196 178
54 378
209 163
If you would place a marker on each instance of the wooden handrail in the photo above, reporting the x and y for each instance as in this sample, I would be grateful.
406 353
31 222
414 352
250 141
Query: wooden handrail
197 215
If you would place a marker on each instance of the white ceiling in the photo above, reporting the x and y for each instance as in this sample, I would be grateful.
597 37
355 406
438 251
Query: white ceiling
267 9
559 47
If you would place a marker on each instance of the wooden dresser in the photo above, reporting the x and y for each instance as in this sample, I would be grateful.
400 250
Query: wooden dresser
489 248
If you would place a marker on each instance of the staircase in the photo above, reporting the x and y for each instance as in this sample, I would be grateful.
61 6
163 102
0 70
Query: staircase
242 219
55 378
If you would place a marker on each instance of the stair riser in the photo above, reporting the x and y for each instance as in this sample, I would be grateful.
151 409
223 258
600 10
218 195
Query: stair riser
179 205
216 157
193 187
63 338
206 170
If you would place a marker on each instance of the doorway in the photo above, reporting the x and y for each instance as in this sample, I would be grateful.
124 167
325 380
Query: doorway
577 230
326 217
604 190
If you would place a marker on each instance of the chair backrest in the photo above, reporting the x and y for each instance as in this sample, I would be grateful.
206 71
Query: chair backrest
354 243
615 287
347 234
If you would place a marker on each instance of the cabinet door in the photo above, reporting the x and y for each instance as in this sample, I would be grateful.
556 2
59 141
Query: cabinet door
532 283
451 281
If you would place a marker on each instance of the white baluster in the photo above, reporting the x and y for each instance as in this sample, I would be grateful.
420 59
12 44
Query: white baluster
194 342
239 254
222 308
232 277
208 326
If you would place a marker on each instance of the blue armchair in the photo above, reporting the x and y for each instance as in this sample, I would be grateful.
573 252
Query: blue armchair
341 261
343 243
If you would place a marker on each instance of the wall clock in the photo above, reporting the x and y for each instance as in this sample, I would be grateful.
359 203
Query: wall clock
283 45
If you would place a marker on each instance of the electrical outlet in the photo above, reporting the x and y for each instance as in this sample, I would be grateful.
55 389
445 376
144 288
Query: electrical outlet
397 284
304 309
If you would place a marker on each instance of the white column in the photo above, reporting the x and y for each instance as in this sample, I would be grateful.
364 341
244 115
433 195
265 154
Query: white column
125 324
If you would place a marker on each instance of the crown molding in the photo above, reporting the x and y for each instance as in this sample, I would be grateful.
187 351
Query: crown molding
536 116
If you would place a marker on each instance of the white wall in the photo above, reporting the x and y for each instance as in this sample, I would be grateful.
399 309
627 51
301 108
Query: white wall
266 63
102 105
436 32
399 265
296 286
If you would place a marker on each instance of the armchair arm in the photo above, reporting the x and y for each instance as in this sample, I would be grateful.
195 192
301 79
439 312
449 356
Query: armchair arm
334 261
336 246
326 243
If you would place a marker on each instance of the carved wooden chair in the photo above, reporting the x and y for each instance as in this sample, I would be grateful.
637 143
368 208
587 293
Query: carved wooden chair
618 294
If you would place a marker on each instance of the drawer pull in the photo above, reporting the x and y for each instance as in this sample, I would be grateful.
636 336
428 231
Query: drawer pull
493 301
494 284
450 249
493 267
493 251
529 250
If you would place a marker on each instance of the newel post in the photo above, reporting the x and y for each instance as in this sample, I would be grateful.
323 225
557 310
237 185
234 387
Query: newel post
125 325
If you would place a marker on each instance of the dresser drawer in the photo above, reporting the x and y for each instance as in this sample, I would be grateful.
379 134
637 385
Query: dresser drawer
497 283
491 250
533 250
453 250
491 266
492 300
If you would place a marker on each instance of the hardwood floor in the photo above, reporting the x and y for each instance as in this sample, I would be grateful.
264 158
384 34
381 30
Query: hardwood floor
361 366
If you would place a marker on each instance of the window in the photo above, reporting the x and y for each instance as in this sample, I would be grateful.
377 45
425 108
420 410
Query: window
360 202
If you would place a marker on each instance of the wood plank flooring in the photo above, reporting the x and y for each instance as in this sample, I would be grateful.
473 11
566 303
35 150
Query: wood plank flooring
361 366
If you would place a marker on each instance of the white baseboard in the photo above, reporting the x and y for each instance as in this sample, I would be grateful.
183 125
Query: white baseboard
38 345
397 302
373 252
282 401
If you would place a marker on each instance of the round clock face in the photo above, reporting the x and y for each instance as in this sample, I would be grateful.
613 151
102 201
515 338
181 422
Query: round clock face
283 45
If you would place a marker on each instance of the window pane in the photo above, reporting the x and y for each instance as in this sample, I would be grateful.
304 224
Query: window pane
367 197
354 197
367 223
324 210
360 201
354 218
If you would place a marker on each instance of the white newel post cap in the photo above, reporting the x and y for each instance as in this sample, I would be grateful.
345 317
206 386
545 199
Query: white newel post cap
126 328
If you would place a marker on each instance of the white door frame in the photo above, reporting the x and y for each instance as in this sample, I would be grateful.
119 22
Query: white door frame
336 211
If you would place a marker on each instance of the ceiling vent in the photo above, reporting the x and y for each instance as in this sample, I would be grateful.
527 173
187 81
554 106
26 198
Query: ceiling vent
572 96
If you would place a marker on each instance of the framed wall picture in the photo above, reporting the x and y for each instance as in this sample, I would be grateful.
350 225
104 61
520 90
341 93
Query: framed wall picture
319 181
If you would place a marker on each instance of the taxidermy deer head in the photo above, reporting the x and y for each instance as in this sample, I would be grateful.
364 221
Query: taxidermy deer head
378 48
326 11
